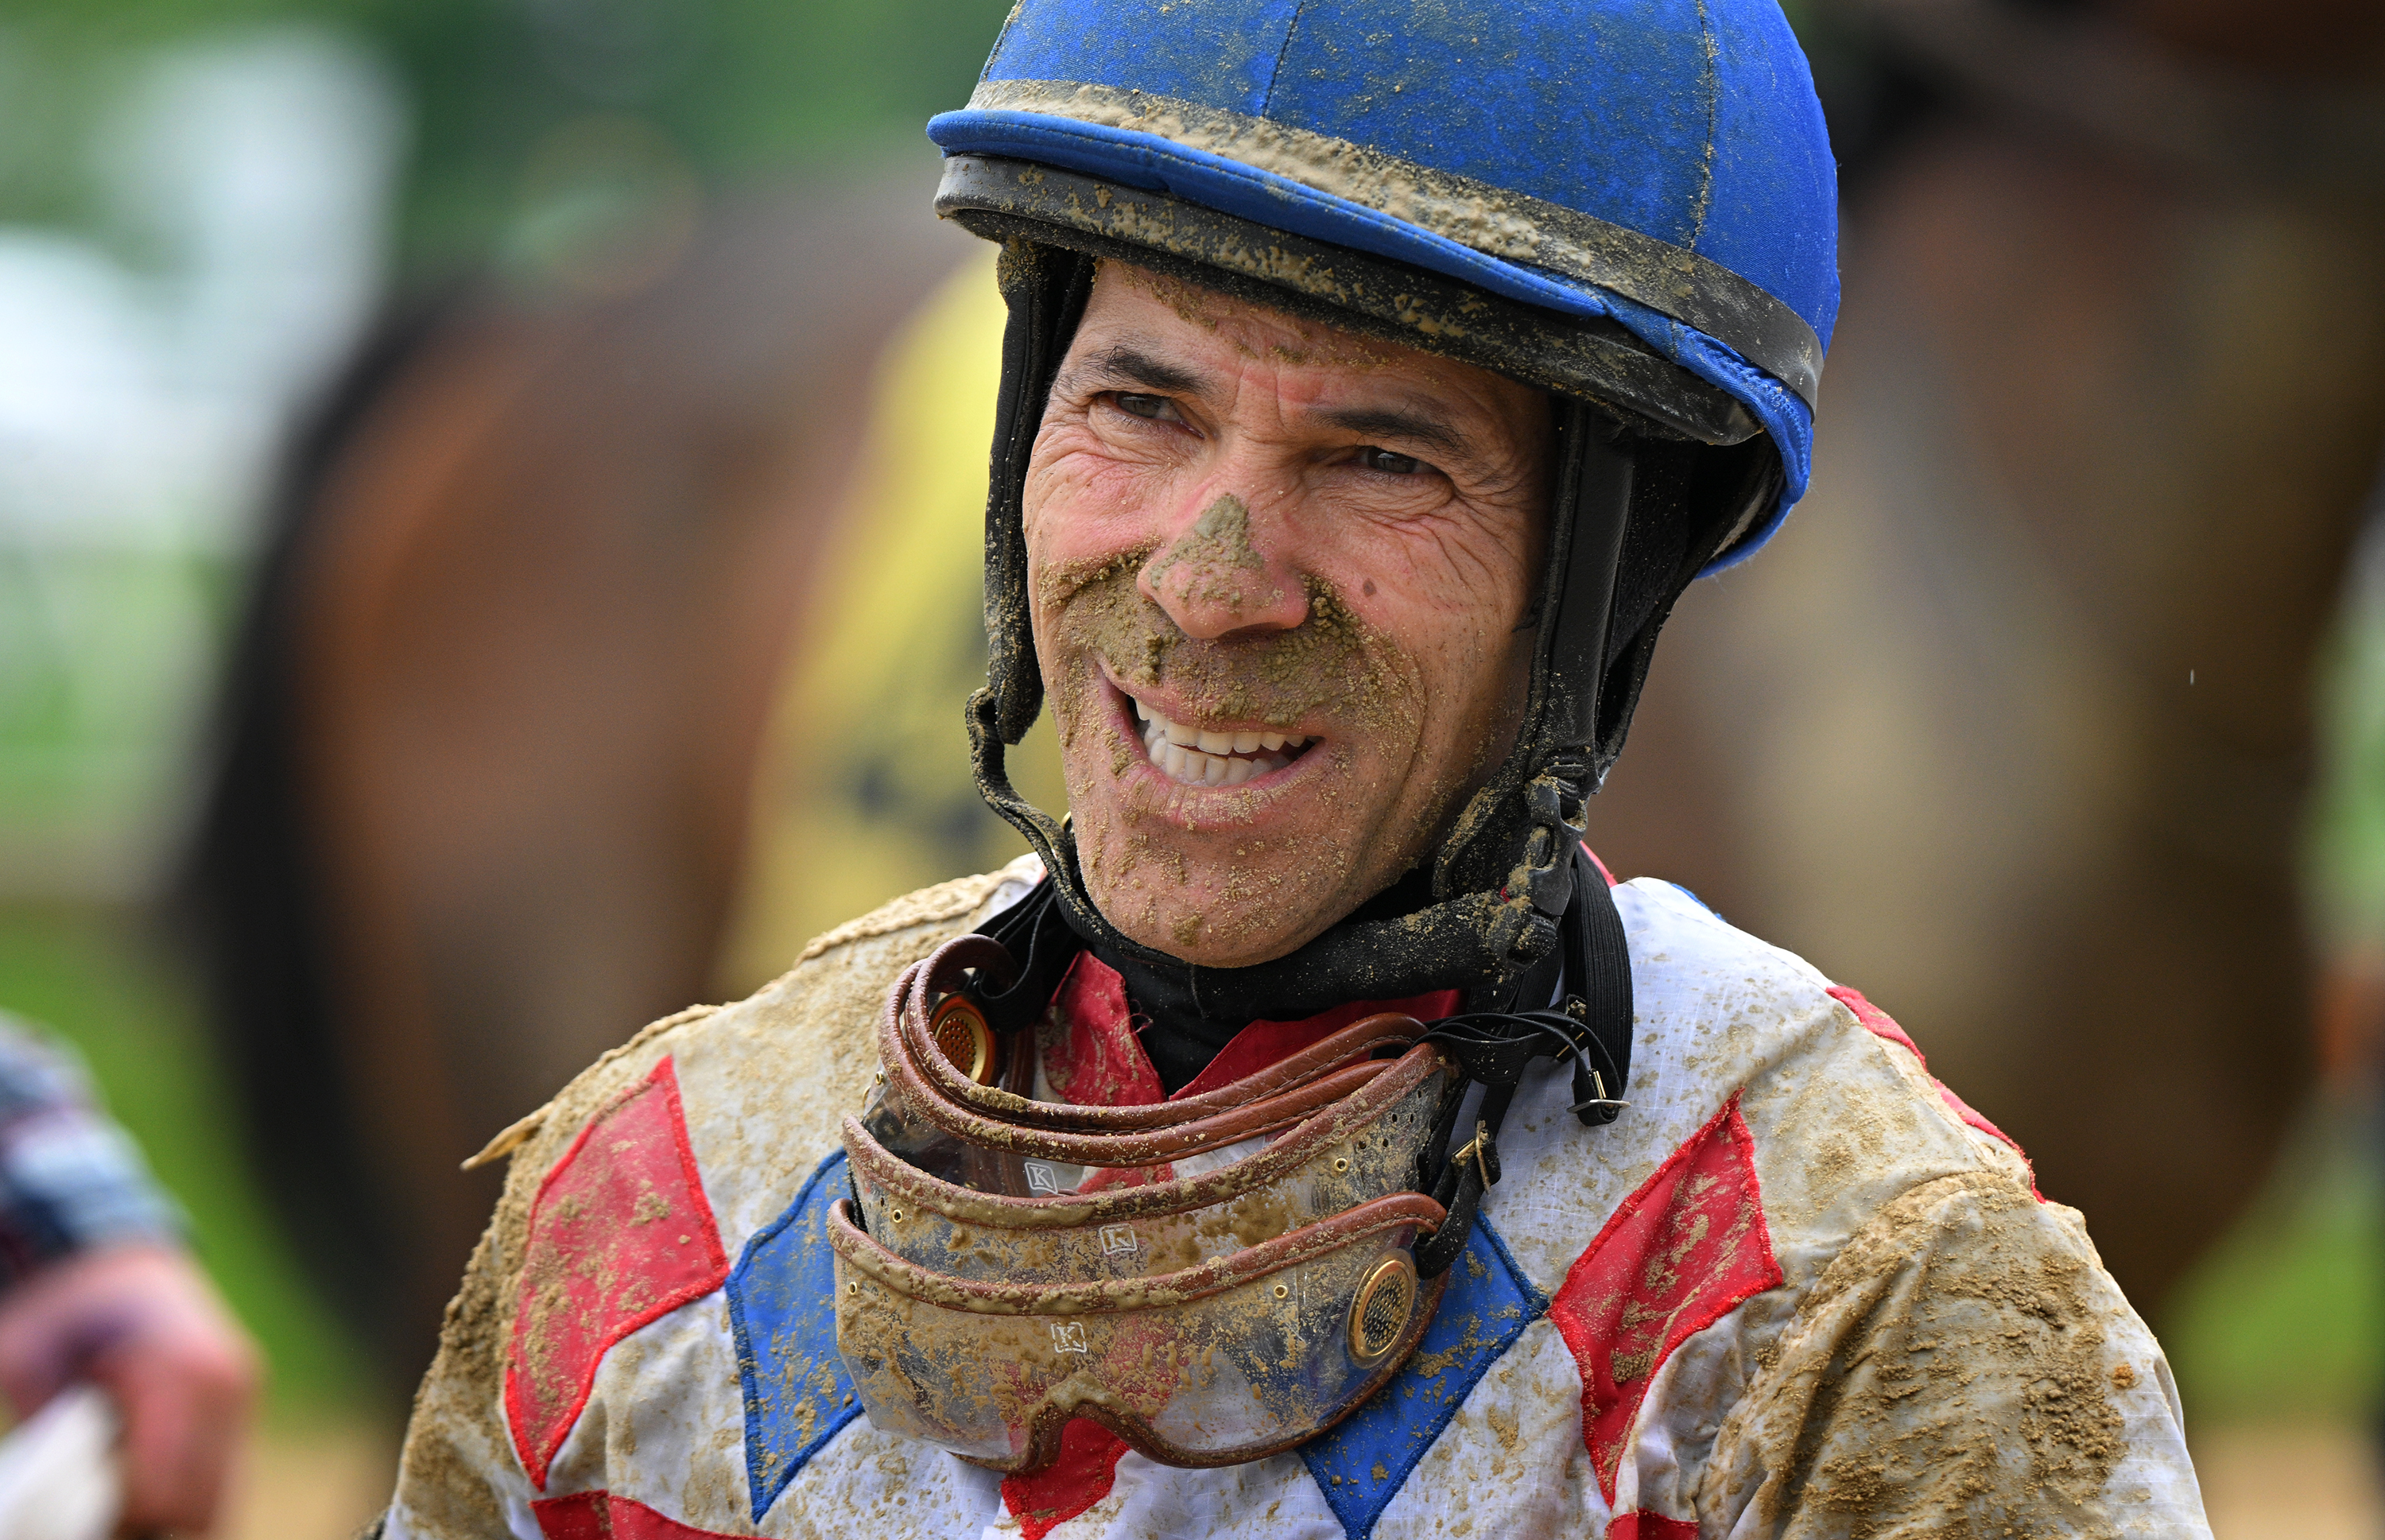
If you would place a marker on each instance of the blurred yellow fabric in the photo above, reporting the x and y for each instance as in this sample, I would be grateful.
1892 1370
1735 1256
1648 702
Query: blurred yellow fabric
864 790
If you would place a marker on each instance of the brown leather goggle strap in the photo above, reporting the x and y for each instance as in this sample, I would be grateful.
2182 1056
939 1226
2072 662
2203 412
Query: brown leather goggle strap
904 1033
1111 1295
1354 1087
1340 1120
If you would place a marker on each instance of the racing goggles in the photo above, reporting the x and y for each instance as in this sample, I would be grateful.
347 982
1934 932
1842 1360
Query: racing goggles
1215 1278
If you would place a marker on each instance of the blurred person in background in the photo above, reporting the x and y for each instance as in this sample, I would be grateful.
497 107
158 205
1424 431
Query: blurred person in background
96 1285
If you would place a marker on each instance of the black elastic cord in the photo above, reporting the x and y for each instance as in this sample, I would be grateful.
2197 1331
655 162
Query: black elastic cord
1036 934
1496 1050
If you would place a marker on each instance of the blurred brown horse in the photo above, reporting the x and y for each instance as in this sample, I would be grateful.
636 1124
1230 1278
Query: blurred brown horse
2008 730
491 727
2012 726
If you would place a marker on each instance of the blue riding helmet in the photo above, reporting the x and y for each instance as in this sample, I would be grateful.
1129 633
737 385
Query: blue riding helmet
1663 165
1630 204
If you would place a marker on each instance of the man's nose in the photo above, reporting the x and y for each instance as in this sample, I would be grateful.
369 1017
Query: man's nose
1220 574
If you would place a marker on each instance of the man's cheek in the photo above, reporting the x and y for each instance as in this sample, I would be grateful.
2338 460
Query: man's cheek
1096 758
1088 485
1070 695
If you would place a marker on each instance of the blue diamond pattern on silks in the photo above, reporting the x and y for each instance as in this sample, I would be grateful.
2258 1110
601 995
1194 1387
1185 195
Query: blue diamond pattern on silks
1362 1463
782 1307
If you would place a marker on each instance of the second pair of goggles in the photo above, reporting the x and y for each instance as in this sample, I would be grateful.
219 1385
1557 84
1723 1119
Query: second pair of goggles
1208 1293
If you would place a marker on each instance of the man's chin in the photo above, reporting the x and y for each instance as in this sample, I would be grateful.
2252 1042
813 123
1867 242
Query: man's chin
1216 931
1201 953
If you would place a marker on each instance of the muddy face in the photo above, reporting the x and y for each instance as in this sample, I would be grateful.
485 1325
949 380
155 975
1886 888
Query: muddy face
1280 575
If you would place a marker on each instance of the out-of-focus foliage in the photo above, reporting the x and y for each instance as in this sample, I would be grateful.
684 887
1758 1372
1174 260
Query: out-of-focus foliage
516 103
2346 858
191 233
517 97
200 203
2283 1320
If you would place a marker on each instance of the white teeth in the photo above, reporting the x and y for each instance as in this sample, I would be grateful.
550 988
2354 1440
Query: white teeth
1196 757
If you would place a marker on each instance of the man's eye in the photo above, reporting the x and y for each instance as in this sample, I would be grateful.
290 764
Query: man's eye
1389 463
1158 409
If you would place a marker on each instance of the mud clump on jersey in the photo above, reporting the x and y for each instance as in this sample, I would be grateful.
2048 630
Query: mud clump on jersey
1946 1375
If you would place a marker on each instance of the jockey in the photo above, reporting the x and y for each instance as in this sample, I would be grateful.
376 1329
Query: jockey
1309 1136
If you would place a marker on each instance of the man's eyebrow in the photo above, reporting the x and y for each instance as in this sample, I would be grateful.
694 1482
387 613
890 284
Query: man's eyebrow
1416 427
1122 368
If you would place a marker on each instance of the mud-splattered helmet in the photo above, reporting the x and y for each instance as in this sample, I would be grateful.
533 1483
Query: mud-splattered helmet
1628 203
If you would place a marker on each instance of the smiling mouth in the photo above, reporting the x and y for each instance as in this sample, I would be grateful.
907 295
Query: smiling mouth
1199 756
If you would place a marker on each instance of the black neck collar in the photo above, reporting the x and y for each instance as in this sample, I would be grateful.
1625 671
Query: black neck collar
1190 1018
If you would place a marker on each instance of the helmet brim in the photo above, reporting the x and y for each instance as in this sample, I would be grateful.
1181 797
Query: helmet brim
1679 309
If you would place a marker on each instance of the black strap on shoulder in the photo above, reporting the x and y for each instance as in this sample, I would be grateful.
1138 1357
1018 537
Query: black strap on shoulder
1037 936
1591 1030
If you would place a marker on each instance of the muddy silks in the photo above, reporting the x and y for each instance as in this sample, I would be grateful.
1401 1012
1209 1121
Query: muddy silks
1215 1278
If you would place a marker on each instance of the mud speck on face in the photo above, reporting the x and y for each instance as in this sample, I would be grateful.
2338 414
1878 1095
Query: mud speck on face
1210 561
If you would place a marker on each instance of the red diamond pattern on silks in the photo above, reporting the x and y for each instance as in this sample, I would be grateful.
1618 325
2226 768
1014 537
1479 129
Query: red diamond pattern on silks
1075 1482
1680 1254
602 1516
1649 1526
620 1236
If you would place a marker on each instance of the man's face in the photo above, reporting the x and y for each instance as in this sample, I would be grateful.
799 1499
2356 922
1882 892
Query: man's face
1277 575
